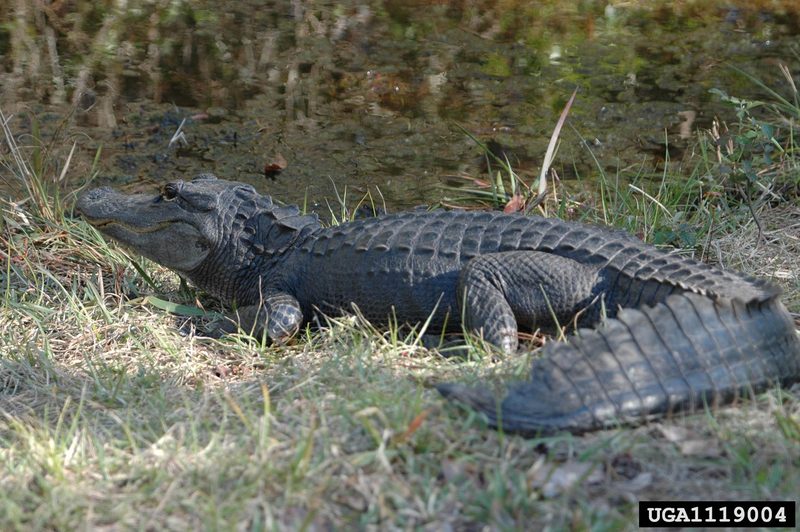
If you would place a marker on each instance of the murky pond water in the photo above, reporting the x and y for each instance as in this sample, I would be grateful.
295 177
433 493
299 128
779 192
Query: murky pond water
299 97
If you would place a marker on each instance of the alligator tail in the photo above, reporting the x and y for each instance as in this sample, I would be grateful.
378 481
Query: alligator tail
684 354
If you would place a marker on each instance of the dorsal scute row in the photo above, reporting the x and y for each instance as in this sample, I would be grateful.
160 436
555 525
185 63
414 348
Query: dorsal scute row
624 255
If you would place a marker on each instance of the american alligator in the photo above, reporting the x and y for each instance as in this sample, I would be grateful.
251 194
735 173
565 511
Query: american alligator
670 334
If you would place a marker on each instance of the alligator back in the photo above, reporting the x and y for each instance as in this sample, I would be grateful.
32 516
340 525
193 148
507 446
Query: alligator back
410 262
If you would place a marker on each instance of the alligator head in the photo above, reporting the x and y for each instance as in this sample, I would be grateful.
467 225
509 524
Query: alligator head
212 231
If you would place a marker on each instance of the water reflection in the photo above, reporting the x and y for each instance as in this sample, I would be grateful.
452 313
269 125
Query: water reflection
368 93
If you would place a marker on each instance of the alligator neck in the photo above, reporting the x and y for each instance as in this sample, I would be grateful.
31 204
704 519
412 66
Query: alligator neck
254 256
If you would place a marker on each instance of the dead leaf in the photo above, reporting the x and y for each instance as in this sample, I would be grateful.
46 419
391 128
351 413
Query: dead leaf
415 424
630 489
673 433
555 479
705 448
690 444
515 204
275 166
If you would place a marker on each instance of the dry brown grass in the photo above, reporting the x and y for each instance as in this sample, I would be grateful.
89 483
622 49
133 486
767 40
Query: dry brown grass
772 253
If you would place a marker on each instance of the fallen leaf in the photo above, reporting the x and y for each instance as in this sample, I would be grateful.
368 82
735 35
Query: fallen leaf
688 443
673 433
630 489
515 204
454 471
705 448
415 424
555 479
275 166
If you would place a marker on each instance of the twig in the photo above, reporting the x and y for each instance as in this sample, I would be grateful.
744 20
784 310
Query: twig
550 154
179 135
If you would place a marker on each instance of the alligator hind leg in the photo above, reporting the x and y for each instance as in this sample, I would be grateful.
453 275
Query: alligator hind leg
503 292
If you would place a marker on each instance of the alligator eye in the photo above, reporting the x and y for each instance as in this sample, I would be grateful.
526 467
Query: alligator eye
169 192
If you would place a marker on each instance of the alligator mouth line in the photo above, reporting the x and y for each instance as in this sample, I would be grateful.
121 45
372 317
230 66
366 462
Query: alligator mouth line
105 224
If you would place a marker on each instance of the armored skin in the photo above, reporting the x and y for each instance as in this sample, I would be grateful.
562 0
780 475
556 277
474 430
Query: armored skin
669 334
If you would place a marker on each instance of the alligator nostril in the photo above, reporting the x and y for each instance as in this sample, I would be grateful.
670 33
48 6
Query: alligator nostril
94 193
90 198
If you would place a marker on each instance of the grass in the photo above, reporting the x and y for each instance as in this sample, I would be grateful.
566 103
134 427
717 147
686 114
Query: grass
117 414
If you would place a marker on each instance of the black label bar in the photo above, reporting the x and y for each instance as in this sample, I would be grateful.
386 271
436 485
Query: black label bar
717 514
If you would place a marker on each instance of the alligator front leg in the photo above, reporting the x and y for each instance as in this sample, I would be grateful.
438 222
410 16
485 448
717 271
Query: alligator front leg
279 314
503 292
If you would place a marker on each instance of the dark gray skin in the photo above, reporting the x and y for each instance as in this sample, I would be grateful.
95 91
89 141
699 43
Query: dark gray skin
677 334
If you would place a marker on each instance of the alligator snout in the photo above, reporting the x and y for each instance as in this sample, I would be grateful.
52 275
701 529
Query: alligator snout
88 201
103 204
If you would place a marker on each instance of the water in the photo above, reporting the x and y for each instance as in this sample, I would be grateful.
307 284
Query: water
372 96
